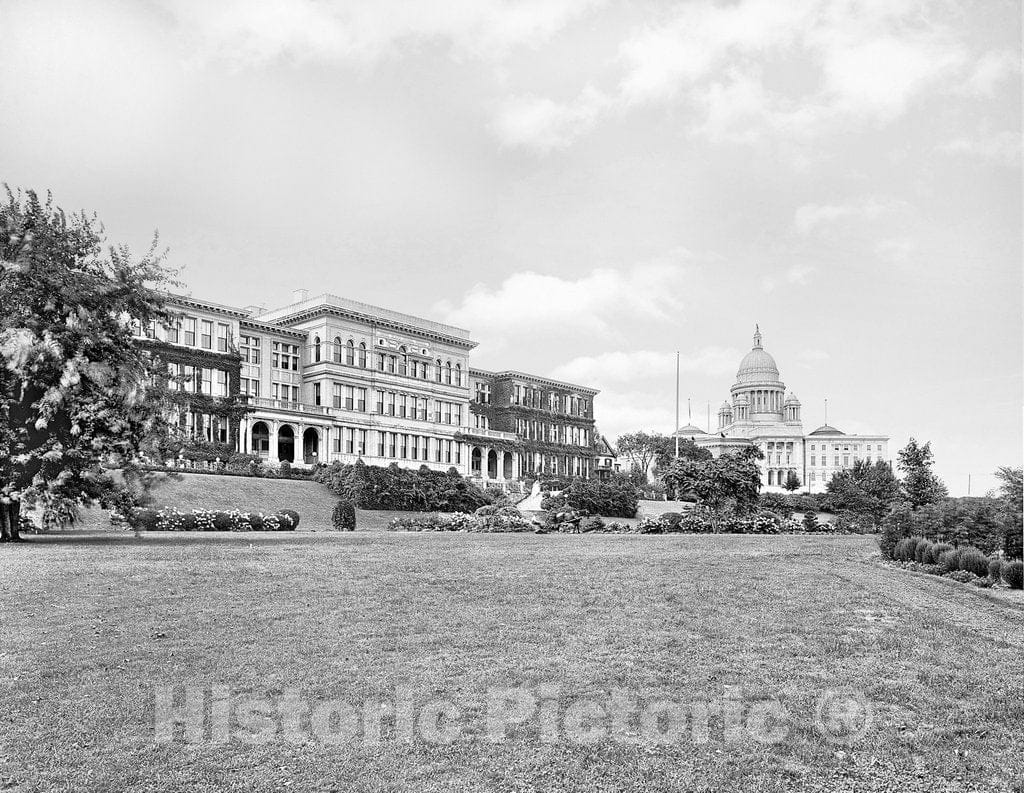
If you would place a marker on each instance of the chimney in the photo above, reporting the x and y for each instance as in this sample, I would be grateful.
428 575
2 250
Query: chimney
299 295
254 311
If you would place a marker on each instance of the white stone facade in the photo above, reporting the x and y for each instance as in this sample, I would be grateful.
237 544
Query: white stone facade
761 413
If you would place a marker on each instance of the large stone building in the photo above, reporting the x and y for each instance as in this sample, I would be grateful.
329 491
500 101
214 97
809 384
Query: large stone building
760 412
548 425
326 378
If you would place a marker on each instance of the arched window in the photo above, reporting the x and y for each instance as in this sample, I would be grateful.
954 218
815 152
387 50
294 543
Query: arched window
771 477
438 370
448 373
350 353
362 354
336 354
316 349
458 374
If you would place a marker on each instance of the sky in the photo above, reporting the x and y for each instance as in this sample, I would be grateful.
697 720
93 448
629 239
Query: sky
587 186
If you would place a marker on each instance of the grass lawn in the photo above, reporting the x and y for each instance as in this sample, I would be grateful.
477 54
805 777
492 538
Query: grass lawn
95 625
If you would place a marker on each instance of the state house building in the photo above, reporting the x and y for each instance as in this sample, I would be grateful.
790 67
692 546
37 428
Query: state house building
761 413
328 378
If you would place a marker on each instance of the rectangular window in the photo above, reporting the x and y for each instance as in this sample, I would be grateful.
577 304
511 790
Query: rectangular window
846 460
380 361
403 406
414 444
380 444
316 393
403 446
361 399
223 332
221 384
190 331
336 395
206 340
837 461
361 442
350 440
391 444
812 459
380 402
173 330
391 403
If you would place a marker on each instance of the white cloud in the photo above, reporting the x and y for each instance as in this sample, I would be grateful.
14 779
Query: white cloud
866 63
799 274
255 31
635 365
1003 148
531 307
896 251
541 124
990 70
812 217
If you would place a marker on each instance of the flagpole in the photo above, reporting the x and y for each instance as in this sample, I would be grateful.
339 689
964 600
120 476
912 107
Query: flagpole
676 433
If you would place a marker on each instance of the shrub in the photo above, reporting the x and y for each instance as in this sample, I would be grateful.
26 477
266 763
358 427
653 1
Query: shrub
344 516
291 513
949 560
463 522
420 490
994 566
614 498
973 561
142 519
1013 574
922 551
963 576
777 503
672 521
593 523
937 549
810 522
904 550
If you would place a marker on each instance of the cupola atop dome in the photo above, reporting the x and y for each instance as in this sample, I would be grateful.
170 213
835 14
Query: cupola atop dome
791 399
757 366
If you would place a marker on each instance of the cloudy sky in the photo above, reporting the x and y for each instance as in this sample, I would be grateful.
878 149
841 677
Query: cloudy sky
587 186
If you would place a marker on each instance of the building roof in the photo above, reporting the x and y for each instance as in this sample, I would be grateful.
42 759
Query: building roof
826 429
757 366
532 378
690 429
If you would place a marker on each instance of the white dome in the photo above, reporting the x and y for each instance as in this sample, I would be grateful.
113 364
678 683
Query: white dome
757 366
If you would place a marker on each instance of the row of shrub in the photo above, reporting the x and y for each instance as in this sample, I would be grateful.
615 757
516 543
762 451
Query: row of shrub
171 519
405 489
614 498
982 523
946 559
506 520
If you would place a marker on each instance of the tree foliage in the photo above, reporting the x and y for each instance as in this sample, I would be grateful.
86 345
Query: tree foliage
731 480
867 489
792 481
73 385
420 490
920 484
641 449
616 497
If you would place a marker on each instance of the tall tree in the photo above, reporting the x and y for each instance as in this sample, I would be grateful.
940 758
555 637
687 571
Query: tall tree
792 481
920 484
866 489
641 449
73 385
720 482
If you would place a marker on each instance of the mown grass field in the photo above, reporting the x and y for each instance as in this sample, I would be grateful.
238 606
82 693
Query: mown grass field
94 626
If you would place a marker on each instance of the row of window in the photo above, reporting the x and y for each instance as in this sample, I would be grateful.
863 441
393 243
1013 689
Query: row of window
555 464
399 363
197 380
552 433
195 425
190 332
845 459
528 396
856 447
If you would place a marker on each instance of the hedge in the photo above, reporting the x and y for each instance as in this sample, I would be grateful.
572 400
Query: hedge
171 519
616 498
344 516
404 489
492 524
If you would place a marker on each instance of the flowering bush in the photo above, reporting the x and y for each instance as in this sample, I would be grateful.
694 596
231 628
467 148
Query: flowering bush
498 523
172 519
